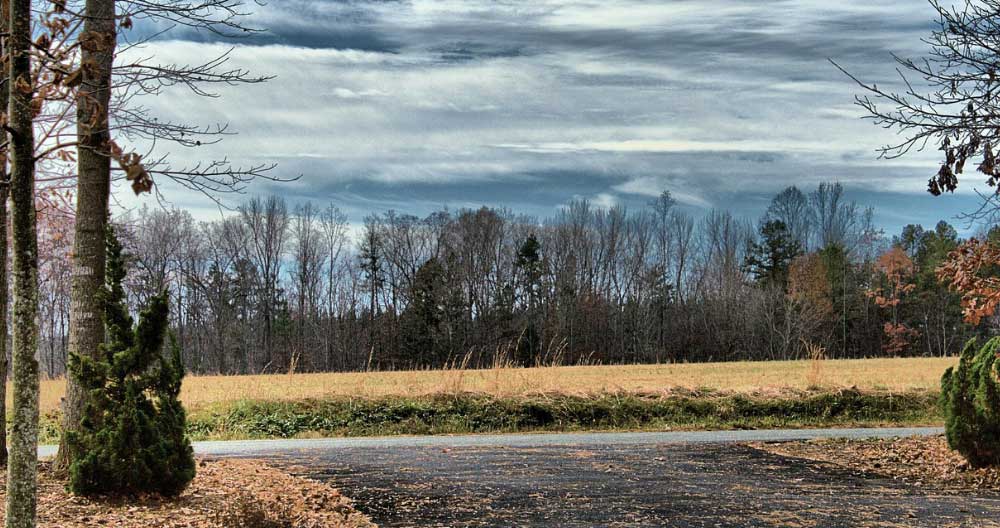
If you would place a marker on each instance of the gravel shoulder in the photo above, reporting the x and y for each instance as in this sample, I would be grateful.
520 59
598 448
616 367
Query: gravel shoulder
264 447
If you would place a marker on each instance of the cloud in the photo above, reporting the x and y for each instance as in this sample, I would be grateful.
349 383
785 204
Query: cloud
653 187
425 103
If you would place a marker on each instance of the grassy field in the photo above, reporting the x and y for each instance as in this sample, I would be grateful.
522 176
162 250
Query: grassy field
692 396
748 376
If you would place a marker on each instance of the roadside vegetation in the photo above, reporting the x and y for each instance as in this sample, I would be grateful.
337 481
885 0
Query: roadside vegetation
479 413
806 393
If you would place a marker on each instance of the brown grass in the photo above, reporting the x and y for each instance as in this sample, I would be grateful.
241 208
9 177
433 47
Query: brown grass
817 356
886 374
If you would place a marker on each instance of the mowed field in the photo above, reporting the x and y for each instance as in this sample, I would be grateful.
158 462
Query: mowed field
865 374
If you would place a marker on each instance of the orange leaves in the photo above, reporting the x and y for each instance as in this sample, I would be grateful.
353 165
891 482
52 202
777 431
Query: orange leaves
43 41
971 271
218 486
73 79
897 268
896 264
22 85
900 336
135 172
66 155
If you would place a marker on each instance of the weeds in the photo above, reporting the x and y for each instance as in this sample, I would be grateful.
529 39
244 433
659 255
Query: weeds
480 413
817 353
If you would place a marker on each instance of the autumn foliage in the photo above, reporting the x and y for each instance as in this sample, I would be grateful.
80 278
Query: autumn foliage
897 270
970 392
808 285
970 270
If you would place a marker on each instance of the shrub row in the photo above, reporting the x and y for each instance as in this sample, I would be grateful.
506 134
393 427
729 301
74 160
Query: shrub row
477 413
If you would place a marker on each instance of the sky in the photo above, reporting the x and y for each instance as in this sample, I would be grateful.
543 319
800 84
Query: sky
423 104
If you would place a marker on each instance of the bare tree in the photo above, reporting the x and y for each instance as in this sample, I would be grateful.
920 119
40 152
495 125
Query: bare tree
333 223
4 194
307 266
682 235
23 461
955 108
791 207
834 219
266 220
662 207
107 103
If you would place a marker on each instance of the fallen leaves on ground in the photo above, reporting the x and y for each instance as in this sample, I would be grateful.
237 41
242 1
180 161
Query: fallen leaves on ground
219 487
923 461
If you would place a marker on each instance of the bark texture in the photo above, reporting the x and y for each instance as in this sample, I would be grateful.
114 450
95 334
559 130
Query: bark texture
4 194
22 475
86 327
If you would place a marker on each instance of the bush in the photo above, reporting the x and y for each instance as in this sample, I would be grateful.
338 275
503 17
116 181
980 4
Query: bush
480 413
131 438
970 400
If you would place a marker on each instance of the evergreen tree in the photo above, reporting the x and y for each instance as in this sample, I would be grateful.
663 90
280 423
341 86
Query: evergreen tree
911 239
421 342
970 399
529 263
131 438
769 259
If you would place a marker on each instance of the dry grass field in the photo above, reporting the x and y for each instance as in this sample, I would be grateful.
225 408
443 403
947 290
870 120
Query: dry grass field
883 374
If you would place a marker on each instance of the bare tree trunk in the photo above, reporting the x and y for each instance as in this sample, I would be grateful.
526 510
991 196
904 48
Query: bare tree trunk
22 485
86 327
4 194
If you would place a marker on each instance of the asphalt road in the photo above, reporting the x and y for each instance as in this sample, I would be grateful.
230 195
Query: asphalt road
266 447
703 479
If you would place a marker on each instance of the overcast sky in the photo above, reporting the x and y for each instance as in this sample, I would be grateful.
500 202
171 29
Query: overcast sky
415 105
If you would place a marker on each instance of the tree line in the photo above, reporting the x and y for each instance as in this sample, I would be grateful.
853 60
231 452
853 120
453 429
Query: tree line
275 287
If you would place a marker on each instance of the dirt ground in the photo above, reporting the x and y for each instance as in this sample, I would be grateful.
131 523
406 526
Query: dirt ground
922 461
224 494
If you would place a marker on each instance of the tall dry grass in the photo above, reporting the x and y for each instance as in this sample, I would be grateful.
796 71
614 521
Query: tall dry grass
504 379
817 355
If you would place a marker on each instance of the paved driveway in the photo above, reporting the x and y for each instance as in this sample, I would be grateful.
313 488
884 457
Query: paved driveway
616 480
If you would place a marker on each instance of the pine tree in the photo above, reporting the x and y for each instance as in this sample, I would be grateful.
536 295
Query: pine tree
529 263
131 438
769 259
421 339
970 398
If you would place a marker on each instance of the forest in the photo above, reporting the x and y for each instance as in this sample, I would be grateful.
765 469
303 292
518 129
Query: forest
275 287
